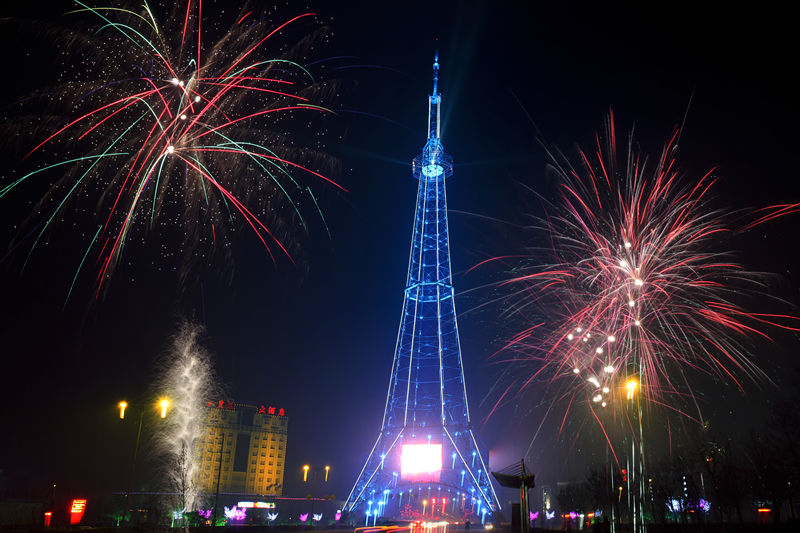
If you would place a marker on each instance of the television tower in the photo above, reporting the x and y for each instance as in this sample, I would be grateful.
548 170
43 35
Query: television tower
426 462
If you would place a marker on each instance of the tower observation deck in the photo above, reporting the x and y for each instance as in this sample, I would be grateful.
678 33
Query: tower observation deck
426 462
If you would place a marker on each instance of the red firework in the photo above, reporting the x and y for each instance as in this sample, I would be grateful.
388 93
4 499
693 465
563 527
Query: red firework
634 289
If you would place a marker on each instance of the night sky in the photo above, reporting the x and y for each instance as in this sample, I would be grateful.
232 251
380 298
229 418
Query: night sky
317 339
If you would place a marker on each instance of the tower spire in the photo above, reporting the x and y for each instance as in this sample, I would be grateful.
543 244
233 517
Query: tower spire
434 100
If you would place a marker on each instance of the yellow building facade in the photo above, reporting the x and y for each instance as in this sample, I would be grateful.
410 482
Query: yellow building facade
244 447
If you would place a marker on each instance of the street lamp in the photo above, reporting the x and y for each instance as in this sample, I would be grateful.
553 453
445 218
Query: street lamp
314 473
630 386
123 405
314 481
164 403
219 478
636 497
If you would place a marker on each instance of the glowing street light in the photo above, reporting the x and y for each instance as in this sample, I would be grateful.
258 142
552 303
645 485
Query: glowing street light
424 505
327 470
164 403
631 388
305 473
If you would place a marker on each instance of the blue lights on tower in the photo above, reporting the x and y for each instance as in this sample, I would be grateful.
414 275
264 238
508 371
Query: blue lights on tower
426 434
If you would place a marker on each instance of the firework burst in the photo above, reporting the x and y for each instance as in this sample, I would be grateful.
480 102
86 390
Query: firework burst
635 289
173 132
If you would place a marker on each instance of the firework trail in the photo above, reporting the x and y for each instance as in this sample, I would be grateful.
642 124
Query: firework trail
634 289
187 378
176 134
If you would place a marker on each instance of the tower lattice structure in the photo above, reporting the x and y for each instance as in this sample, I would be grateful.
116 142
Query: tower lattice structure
426 461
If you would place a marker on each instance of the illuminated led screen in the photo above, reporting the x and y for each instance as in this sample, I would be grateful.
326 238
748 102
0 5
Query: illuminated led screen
421 462
258 505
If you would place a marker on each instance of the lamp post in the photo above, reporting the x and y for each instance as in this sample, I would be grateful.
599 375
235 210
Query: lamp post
631 387
219 477
123 406
314 472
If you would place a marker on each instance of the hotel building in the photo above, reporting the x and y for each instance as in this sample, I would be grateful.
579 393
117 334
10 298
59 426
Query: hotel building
244 446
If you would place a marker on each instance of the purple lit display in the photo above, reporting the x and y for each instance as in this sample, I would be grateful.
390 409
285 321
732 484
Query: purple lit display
236 514
676 506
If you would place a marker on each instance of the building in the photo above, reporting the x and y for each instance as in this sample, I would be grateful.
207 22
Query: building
245 446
